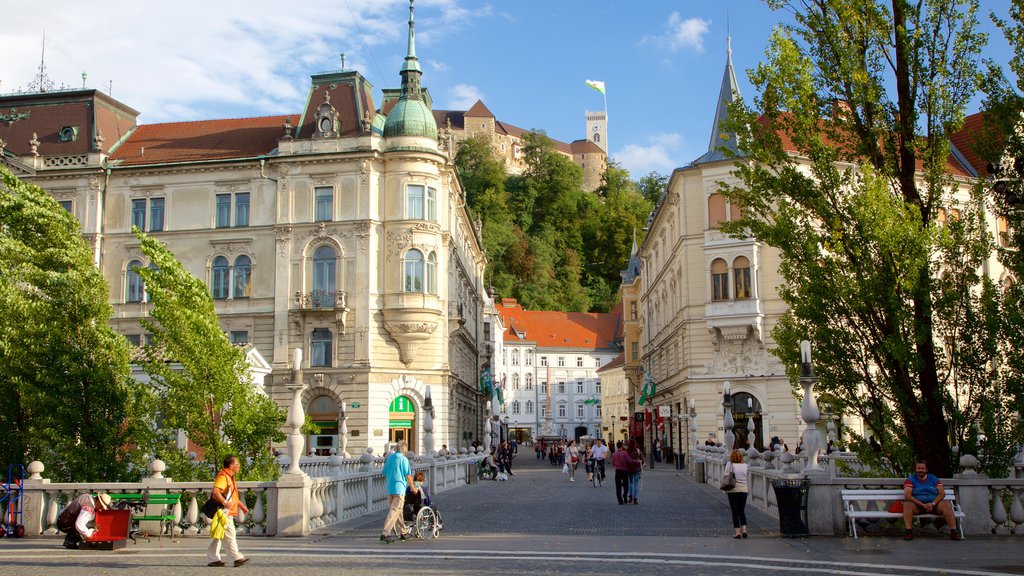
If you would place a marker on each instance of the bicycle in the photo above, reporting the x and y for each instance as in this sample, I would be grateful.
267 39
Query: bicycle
596 472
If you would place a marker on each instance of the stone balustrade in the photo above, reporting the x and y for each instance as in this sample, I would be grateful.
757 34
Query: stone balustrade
332 489
992 505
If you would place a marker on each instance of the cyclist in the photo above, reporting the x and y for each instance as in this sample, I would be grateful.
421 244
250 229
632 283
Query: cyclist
597 453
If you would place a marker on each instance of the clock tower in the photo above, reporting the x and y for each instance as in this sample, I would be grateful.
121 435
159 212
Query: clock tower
597 129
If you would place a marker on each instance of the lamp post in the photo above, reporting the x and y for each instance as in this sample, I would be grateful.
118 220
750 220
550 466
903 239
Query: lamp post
809 408
727 421
507 430
296 417
693 426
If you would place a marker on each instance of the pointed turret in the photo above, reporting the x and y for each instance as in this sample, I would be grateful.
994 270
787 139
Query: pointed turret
411 116
632 271
729 93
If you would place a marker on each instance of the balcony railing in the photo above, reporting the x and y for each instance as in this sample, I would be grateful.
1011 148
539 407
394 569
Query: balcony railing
320 300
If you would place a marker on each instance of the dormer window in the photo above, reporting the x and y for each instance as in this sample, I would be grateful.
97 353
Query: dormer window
68 134
326 117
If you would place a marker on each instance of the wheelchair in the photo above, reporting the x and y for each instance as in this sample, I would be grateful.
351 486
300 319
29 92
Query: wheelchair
420 518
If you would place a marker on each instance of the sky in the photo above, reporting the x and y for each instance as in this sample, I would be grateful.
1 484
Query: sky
661 61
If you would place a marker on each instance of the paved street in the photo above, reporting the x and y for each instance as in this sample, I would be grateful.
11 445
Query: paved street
538 523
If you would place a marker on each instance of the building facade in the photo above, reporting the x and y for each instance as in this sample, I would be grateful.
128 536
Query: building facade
549 370
338 230
709 302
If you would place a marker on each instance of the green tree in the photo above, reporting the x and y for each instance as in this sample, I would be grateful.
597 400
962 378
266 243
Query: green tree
66 394
652 186
1002 145
202 379
868 94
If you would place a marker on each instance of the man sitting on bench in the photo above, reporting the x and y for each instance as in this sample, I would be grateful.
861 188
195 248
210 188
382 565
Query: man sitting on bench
923 494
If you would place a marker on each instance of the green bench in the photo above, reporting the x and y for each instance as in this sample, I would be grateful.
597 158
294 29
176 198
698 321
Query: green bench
146 499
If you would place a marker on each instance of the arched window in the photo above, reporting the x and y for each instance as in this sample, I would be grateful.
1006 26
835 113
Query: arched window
219 278
734 212
716 210
243 277
741 277
133 282
412 265
325 268
431 273
719 280
320 347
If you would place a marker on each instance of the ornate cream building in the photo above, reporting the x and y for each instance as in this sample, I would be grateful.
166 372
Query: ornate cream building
337 230
709 301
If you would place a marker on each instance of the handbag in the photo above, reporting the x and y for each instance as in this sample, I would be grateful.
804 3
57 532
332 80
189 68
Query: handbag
728 481
210 507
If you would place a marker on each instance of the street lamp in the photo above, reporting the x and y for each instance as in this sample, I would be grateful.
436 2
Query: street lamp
727 421
809 411
507 435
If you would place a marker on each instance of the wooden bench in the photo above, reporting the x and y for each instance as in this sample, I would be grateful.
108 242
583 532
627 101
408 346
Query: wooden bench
146 499
886 497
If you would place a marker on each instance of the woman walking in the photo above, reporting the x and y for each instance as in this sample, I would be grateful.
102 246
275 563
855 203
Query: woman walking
634 466
572 459
621 461
738 494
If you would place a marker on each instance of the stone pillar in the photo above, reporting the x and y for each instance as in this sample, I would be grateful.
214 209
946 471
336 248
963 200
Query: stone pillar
33 514
289 503
824 506
296 417
809 408
727 420
972 494
158 482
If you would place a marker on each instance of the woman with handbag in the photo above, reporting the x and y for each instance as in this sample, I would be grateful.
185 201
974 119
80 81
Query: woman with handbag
572 459
737 494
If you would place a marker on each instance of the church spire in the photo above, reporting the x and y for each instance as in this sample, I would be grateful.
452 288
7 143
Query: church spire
728 93
411 71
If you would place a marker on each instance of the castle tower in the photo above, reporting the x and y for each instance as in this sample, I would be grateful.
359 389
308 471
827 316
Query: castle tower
597 129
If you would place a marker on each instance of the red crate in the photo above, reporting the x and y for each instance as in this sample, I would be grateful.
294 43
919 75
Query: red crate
112 525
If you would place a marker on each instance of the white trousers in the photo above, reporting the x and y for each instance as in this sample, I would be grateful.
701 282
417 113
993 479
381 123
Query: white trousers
231 552
394 519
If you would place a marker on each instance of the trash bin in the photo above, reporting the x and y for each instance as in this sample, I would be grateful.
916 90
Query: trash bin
791 496
471 472
699 471
680 460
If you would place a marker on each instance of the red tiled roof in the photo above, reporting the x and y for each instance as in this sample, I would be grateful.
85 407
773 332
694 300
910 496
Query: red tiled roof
202 140
478 110
954 165
585 147
964 141
578 330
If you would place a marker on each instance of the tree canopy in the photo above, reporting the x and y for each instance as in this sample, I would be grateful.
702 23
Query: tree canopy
882 248
66 395
202 379
550 244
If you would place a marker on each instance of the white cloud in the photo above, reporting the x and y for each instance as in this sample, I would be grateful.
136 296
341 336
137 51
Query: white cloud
462 96
197 59
660 154
680 33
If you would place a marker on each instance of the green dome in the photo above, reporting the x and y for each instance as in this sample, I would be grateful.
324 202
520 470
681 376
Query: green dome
378 125
410 117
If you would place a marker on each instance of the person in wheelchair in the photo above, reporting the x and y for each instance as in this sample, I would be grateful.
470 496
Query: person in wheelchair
415 500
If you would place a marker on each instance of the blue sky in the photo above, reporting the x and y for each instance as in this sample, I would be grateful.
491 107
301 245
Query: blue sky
662 61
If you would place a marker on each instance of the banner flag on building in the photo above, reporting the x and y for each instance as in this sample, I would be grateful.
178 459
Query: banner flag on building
501 389
486 386
649 388
596 85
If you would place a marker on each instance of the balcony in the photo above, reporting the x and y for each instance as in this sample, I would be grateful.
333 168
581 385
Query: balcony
320 300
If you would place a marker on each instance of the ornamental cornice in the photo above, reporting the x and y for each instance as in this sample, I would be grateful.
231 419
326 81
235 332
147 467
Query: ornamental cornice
410 327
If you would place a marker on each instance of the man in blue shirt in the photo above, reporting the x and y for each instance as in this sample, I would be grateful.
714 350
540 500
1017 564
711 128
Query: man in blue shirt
923 494
398 476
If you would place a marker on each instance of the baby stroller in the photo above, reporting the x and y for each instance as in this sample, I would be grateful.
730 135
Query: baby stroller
420 517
